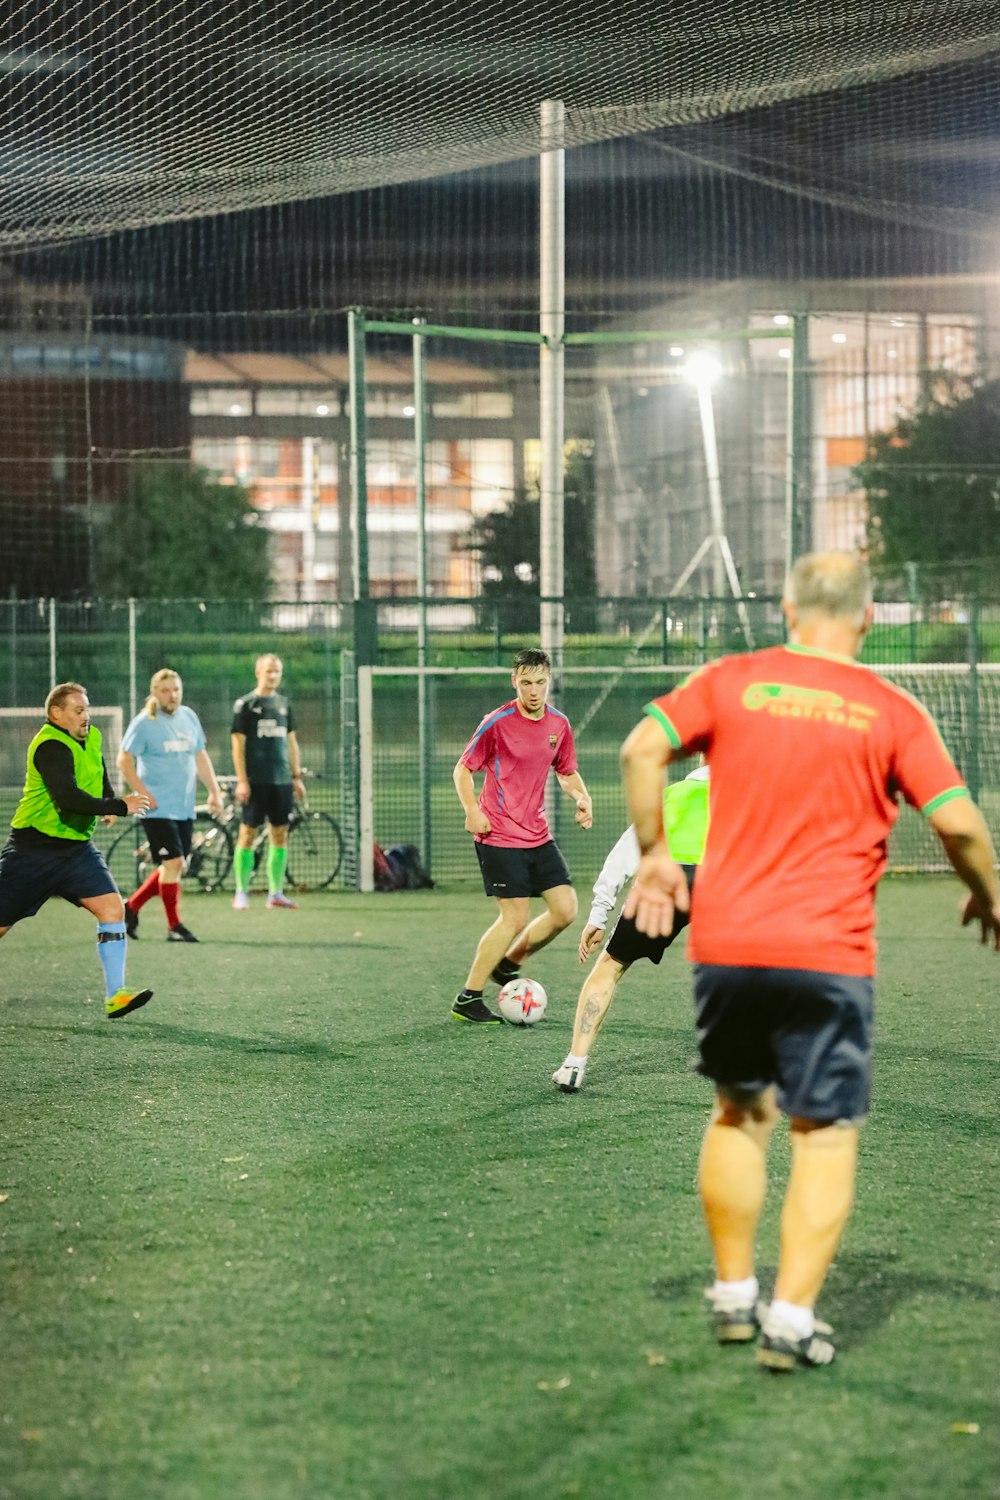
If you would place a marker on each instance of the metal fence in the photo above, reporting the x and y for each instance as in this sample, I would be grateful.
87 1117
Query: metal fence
114 647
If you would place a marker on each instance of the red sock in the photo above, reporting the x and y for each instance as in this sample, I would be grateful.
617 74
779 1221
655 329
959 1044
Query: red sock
170 895
138 898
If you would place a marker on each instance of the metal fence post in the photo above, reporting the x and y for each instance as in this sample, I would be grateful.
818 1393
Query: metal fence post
972 770
349 807
132 695
52 643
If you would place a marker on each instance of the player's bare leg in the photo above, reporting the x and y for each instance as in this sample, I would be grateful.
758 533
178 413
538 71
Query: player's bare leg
560 913
732 1180
591 1008
817 1204
469 1005
495 941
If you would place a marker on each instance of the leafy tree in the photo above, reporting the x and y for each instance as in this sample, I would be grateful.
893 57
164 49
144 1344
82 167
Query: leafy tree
507 542
933 486
181 535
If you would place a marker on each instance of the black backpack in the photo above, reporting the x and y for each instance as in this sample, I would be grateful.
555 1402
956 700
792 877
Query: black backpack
406 862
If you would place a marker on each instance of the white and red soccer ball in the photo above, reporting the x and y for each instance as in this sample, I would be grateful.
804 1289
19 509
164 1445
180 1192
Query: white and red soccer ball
522 1002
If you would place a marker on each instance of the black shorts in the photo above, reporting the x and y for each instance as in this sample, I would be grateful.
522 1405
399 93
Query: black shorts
30 873
510 873
169 838
626 943
268 804
808 1033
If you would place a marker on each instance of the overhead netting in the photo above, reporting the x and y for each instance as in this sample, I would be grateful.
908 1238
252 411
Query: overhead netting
123 115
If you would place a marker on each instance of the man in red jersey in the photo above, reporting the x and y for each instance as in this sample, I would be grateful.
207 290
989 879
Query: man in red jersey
782 930
517 745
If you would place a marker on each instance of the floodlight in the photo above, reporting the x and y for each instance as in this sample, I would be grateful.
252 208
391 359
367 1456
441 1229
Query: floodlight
702 368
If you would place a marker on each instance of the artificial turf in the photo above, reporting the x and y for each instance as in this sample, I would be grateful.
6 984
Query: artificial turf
290 1232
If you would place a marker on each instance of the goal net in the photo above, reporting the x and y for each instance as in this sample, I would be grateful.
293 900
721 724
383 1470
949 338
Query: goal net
406 794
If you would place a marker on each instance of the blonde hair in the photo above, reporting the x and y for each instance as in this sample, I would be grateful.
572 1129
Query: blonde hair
836 584
165 674
58 695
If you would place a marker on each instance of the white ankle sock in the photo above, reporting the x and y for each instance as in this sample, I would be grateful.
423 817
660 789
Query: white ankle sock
742 1291
790 1314
571 1060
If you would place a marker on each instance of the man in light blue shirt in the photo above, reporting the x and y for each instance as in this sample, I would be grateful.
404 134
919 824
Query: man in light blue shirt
163 754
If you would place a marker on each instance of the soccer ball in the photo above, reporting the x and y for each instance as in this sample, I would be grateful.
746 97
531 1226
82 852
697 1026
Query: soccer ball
522 1002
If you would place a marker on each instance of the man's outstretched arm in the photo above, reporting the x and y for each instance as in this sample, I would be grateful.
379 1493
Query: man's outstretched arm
962 830
660 885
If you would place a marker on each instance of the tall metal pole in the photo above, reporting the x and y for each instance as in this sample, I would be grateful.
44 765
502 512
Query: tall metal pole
424 729
552 325
363 633
133 696
797 436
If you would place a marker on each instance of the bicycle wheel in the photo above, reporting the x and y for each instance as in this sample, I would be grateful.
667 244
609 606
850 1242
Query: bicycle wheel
315 850
128 857
210 867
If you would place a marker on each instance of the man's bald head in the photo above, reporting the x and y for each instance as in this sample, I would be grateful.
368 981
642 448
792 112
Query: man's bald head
834 585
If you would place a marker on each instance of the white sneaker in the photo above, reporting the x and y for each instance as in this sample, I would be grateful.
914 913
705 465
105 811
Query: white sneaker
241 901
570 1076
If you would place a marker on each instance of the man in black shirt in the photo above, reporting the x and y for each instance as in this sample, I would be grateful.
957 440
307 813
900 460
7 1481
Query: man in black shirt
268 779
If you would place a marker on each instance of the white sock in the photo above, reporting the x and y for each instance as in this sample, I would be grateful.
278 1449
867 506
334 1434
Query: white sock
799 1319
737 1291
571 1060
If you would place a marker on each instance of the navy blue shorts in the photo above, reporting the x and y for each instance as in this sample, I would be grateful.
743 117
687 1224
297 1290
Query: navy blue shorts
268 804
627 943
169 838
30 873
511 873
809 1034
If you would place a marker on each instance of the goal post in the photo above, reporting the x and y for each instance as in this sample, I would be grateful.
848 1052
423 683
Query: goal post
405 772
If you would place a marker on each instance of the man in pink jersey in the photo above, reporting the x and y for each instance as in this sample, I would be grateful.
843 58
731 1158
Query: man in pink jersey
517 745
809 752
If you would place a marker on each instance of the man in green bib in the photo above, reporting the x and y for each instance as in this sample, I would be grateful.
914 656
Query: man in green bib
685 818
50 853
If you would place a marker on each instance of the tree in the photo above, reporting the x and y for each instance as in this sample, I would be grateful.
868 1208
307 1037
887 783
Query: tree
933 486
507 542
182 535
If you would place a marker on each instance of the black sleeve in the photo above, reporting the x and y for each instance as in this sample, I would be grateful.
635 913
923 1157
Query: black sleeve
109 790
54 764
291 720
239 724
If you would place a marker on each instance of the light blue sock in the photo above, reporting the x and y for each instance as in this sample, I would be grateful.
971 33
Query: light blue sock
111 948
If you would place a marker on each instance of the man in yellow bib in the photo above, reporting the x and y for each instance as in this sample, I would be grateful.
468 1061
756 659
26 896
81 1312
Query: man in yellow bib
685 818
50 853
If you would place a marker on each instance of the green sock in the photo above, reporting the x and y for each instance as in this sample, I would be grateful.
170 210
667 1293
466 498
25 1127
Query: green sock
243 868
277 859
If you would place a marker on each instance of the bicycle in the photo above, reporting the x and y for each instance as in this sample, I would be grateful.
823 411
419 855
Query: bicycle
315 848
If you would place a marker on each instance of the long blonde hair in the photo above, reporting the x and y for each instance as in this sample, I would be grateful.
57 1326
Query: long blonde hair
165 674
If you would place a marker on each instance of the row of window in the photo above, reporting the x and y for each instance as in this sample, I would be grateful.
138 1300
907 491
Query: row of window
30 359
281 401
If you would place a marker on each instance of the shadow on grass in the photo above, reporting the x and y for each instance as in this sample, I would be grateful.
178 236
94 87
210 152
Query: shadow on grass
862 1292
185 1036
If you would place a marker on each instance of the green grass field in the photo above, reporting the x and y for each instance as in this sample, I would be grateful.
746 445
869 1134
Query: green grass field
289 1232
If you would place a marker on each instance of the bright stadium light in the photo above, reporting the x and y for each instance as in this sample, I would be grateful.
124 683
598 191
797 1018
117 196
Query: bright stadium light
781 320
409 411
702 369
677 350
